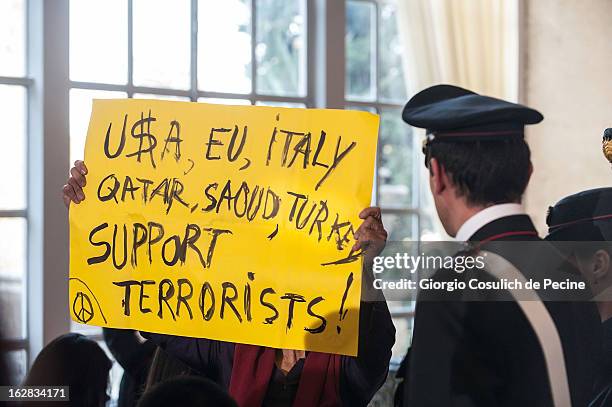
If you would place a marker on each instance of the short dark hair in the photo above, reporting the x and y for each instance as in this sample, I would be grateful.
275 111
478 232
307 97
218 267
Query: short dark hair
485 172
76 361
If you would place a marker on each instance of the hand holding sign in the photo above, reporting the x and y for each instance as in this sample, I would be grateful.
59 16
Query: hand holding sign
232 223
371 234
73 191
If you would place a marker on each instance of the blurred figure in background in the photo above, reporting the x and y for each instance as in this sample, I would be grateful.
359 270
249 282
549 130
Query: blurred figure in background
134 354
581 227
78 362
5 379
187 391
164 367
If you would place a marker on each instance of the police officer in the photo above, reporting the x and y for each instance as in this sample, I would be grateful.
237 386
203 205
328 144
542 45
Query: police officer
477 353
580 225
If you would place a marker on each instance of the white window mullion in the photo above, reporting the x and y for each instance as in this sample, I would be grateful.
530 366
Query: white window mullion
48 155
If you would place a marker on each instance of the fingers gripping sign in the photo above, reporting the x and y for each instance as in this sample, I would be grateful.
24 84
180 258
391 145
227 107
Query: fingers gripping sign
371 235
72 191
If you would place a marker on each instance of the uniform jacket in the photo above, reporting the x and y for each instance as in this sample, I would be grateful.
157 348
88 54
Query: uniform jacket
476 353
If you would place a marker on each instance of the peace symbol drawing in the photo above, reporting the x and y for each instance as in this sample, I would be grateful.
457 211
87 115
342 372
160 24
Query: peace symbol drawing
82 306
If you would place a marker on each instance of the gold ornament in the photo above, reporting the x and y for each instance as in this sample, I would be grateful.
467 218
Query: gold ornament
607 149
607 144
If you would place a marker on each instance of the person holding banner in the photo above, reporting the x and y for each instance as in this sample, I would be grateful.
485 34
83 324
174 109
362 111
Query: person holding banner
258 376
501 352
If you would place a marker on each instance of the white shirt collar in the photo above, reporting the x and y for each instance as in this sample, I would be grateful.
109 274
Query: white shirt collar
486 216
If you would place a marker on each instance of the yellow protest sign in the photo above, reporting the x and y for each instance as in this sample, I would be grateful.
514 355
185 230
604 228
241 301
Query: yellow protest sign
232 223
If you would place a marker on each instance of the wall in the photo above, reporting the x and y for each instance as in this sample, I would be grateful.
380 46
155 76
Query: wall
567 75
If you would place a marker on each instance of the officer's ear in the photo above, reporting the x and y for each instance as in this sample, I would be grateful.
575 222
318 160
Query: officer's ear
601 265
439 178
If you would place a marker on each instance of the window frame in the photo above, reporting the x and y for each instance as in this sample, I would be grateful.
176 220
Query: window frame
21 343
48 139
378 105
193 93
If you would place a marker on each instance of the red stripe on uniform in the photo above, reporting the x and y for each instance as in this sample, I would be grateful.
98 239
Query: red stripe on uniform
601 217
508 234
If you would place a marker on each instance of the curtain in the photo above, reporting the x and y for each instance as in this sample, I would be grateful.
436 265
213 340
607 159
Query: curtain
468 43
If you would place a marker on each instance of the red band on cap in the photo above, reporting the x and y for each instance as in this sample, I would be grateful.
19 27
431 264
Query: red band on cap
480 133
601 217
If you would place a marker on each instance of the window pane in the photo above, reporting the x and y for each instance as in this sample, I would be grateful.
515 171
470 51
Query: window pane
391 85
17 361
279 104
98 41
83 329
281 47
403 337
116 372
431 228
399 227
360 50
224 65
162 43
80 112
12 38
12 274
13 151
220 101
362 108
395 158
161 97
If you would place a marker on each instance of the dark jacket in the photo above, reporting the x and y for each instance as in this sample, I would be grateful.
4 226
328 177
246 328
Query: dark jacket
477 353
134 356
360 376
603 394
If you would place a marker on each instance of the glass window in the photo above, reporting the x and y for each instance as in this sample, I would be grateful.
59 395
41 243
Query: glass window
279 104
13 151
13 183
392 85
162 38
161 54
161 97
12 37
400 227
360 43
281 47
98 49
225 101
395 157
87 330
80 111
375 82
362 108
12 276
224 66
402 341
115 375
17 362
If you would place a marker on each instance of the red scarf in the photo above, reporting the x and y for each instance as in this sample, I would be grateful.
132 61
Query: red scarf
253 368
